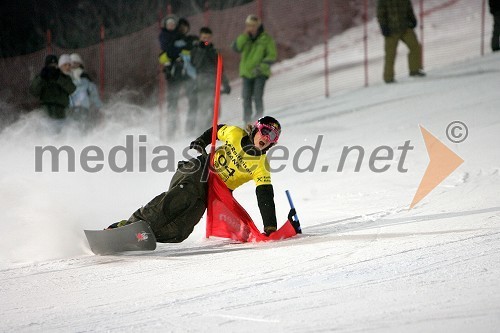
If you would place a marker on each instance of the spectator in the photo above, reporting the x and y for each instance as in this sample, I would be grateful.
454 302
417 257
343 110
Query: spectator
172 68
85 101
184 44
397 21
53 87
204 60
168 36
258 52
495 11
176 45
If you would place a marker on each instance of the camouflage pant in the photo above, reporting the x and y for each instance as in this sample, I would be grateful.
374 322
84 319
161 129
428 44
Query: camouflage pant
414 56
173 214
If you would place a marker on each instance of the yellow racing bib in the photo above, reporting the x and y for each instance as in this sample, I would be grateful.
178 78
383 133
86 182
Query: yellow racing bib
236 167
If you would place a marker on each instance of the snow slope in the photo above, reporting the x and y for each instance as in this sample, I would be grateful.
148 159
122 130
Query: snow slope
364 263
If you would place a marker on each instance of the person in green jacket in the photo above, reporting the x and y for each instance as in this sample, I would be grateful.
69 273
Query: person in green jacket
258 52
53 87
397 21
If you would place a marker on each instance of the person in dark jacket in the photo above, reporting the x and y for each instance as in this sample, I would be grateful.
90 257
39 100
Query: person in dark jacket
173 214
397 21
184 45
53 88
176 45
495 11
204 60
258 52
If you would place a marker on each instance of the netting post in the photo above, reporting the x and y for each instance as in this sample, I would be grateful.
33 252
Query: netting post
260 10
161 86
49 41
365 39
206 13
101 62
169 8
326 11
483 22
422 31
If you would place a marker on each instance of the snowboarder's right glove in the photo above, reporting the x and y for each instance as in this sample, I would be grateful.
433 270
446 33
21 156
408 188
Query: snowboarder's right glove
198 145
295 224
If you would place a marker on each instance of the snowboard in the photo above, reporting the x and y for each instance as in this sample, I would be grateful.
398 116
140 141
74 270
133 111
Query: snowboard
137 236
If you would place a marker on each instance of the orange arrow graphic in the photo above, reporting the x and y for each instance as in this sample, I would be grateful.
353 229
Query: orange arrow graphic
442 163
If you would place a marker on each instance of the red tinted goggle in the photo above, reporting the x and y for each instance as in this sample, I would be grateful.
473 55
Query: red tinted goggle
271 133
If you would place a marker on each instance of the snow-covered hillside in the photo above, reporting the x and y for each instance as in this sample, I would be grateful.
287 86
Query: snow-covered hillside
365 262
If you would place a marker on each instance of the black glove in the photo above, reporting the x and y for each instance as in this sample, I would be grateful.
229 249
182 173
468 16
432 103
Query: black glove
385 30
198 145
269 230
50 73
295 224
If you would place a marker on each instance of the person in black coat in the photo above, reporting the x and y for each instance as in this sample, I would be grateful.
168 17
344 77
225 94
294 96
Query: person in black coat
176 45
204 60
495 11
184 44
52 87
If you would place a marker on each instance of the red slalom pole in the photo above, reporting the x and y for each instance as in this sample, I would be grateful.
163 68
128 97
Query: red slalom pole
483 14
325 41
365 39
169 8
161 86
260 10
206 13
101 63
218 80
49 41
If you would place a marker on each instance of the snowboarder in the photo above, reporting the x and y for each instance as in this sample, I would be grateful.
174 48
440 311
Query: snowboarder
173 214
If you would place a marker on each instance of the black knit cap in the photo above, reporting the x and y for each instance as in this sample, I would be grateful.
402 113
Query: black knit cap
50 59
183 21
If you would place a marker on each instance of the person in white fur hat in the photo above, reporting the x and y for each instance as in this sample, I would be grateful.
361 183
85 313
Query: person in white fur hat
84 102
65 64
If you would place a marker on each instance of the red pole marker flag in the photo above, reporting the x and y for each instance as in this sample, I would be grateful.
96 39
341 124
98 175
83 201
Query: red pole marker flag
228 219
